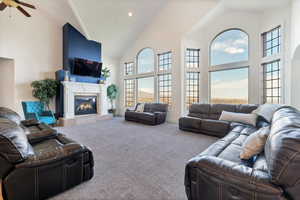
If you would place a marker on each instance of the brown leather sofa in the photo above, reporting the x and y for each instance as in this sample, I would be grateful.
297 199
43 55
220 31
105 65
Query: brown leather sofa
36 162
219 173
204 118
154 114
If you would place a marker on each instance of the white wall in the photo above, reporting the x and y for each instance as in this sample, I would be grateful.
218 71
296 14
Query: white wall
35 44
163 34
7 81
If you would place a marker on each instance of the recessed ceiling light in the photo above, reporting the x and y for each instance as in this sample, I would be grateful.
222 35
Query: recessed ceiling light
130 14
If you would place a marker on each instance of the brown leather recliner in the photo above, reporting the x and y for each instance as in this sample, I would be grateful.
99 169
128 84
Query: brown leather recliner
36 162
204 118
219 173
154 114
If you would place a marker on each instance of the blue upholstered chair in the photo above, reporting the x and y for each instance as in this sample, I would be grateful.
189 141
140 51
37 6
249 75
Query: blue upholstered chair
36 110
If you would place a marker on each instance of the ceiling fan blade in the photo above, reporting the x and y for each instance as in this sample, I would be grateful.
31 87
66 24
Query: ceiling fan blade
23 11
25 4
2 6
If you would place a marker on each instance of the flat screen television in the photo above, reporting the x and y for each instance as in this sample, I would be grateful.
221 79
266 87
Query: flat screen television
84 67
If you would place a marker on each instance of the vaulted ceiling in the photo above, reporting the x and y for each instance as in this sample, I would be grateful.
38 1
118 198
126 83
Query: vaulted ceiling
107 21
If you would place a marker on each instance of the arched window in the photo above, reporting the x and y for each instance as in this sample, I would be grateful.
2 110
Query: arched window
146 61
228 47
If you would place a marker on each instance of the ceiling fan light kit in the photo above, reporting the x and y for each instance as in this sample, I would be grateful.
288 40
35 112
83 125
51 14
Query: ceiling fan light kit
16 4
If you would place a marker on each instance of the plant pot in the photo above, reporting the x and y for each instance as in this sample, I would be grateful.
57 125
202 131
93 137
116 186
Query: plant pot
102 82
112 111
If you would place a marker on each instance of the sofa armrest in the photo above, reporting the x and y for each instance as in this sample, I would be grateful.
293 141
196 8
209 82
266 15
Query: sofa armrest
229 174
159 113
39 136
30 122
45 158
47 113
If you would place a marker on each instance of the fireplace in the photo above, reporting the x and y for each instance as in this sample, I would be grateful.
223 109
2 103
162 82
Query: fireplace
85 105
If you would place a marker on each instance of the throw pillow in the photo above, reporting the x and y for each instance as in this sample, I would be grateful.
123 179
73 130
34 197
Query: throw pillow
255 143
266 111
239 117
140 107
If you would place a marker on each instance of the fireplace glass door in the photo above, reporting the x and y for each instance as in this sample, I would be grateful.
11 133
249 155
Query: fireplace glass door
85 105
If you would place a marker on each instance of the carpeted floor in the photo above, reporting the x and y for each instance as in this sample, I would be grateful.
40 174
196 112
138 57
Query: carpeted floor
134 161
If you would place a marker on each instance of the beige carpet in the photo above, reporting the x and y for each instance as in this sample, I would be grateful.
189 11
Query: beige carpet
134 161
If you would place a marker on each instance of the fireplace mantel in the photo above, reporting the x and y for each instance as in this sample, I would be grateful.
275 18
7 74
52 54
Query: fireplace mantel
71 89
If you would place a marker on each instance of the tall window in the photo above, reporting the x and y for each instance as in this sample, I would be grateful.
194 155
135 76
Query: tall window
164 61
192 88
229 50
192 60
272 84
149 83
165 78
146 90
129 92
271 42
229 86
146 61
229 47
129 68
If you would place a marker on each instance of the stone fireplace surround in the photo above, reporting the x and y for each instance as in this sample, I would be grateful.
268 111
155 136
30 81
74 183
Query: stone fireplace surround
72 89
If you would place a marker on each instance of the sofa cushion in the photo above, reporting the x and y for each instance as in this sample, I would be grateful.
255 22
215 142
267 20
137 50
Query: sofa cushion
282 149
239 117
140 107
230 146
10 114
14 143
255 143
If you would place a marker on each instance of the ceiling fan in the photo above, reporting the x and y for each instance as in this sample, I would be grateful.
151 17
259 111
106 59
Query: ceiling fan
16 4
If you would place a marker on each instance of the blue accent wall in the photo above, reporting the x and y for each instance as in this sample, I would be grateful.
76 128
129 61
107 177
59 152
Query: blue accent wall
75 45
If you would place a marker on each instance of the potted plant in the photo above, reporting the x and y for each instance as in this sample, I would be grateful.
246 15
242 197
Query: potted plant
105 73
45 90
112 92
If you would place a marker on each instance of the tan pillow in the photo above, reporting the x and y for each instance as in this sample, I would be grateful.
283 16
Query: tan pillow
239 117
255 143
140 107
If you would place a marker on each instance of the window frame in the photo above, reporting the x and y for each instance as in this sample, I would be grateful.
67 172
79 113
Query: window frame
155 74
125 68
125 92
229 66
164 72
231 63
228 69
265 89
272 58
137 62
191 70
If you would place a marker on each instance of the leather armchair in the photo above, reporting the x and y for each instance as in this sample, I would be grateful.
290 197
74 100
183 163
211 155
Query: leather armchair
154 114
48 162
